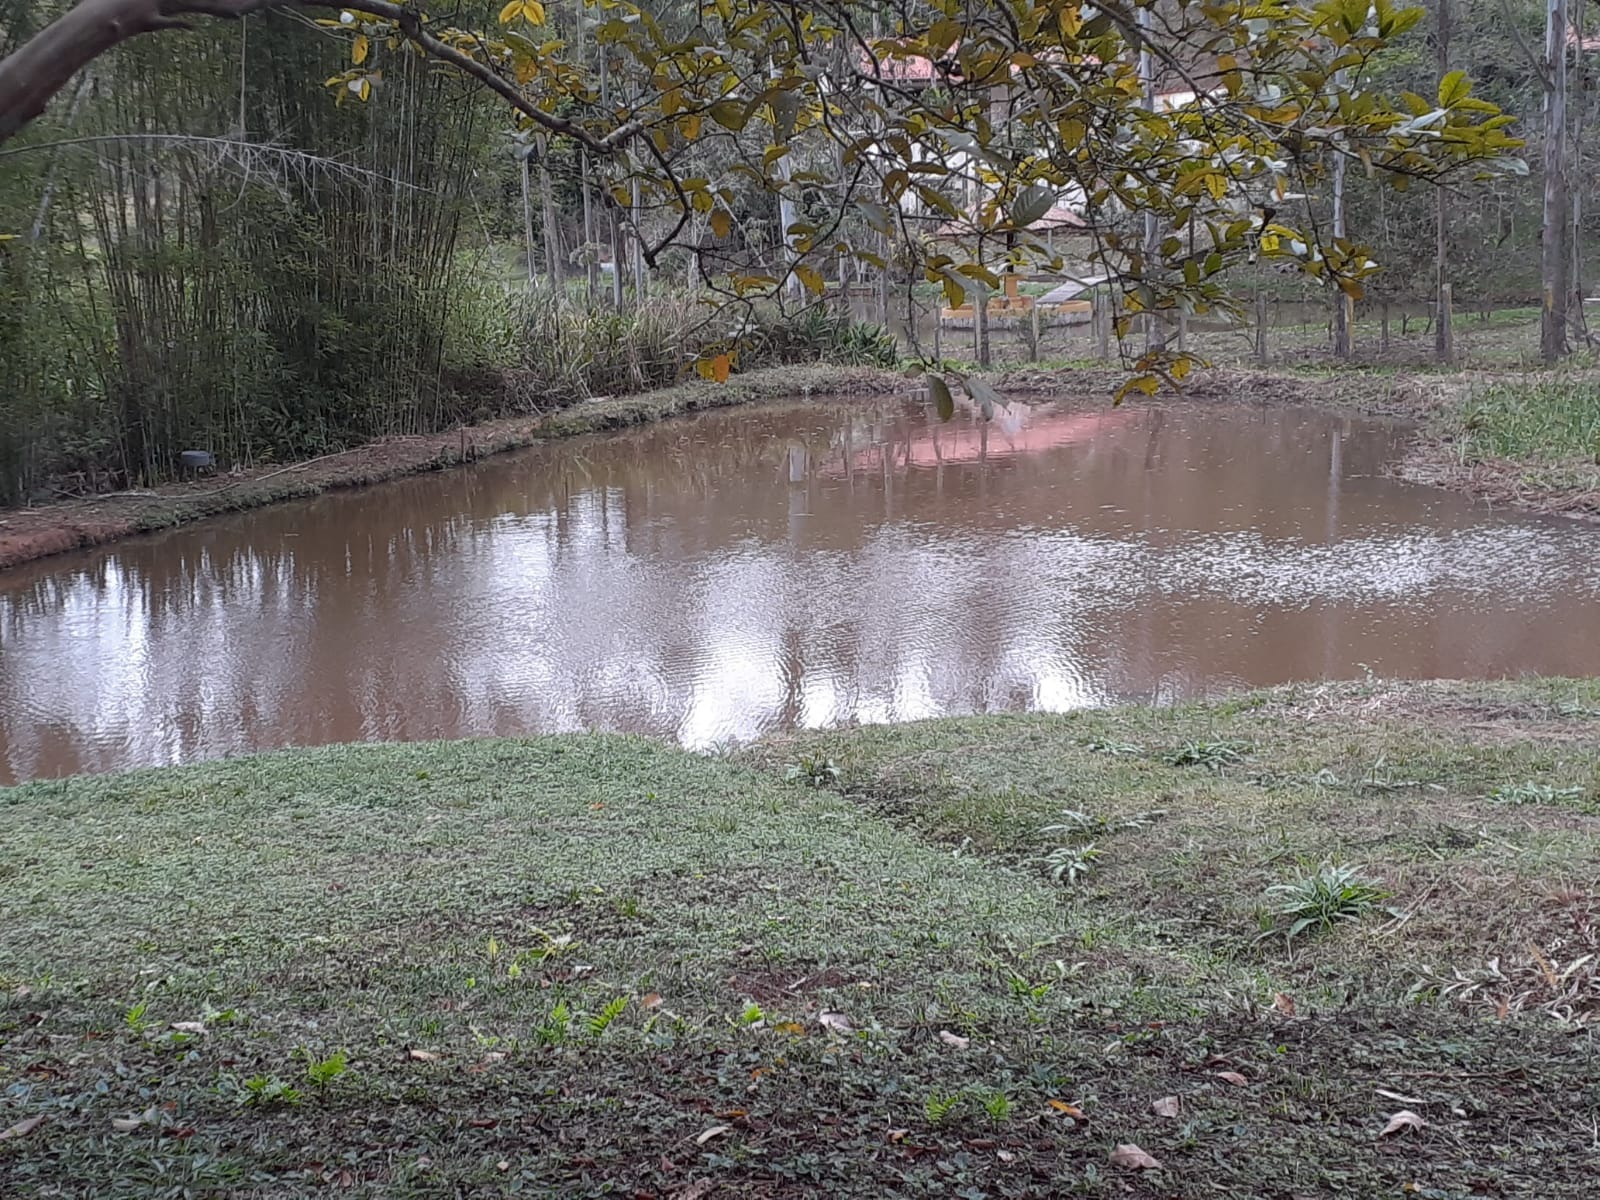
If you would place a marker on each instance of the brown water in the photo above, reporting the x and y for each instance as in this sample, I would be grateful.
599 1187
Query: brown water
714 578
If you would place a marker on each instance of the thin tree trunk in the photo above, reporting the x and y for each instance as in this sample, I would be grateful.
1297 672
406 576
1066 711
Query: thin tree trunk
640 277
1155 333
555 262
1341 300
591 240
1575 174
1443 346
527 221
1553 262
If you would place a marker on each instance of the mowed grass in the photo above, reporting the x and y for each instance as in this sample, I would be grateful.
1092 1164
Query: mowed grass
838 964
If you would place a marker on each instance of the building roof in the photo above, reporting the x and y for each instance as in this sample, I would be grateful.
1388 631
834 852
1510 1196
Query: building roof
1058 217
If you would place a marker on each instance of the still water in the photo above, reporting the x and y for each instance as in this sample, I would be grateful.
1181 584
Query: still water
717 577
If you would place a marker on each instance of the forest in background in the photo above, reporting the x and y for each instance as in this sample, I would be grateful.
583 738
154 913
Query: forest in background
204 250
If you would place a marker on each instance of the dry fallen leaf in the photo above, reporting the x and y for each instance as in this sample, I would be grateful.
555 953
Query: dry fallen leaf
1130 1156
696 1190
1005 1156
705 1135
1234 1078
1284 1003
837 1022
793 1027
422 1055
954 1039
188 1027
1404 1119
1071 1110
650 1000
898 1135
129 1124
1167 1106
22 1128
502 1165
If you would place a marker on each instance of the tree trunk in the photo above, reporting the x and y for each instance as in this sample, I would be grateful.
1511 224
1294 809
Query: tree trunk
1443 343
1341 299
555 261
1155 335
640 267
591 239
1553 257
527 219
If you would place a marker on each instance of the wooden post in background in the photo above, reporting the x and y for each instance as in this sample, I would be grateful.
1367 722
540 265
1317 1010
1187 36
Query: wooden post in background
1100 321
1444 338
1261 328
1033 314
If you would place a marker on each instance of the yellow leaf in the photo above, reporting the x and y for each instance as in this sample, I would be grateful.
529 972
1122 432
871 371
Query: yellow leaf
526 69
509 12
690 127
721 367
722 222
359 49
1071 1110
793 1027
812 278
366 89
534 11
1139 383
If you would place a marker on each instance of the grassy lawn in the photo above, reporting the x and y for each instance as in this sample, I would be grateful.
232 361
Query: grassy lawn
837 964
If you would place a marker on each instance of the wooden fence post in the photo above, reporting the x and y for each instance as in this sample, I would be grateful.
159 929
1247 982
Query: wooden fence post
1444 339
1261 328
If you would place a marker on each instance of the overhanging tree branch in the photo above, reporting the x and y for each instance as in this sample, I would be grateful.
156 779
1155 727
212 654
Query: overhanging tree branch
38 69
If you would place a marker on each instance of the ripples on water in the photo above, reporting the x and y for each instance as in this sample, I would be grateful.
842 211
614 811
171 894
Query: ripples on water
714 578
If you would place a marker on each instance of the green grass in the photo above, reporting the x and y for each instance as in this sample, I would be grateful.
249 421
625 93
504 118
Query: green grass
596 965
1550 420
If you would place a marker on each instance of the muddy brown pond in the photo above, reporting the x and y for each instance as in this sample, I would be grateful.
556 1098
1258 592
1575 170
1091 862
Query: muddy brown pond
718 577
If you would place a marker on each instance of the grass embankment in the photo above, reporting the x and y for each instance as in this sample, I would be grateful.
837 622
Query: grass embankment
27 534
1533 442
595 965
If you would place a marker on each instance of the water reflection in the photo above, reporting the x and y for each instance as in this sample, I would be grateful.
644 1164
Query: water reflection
714 578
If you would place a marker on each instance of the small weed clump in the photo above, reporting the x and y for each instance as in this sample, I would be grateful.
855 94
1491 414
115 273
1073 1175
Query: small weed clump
1533 792
1317 902
1214 755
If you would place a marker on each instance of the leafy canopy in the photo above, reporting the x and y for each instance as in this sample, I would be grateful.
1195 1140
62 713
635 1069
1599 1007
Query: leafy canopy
946 137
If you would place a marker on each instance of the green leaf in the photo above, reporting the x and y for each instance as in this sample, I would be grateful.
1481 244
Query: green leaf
730 114
1454 88
1030 206
985 394
943 402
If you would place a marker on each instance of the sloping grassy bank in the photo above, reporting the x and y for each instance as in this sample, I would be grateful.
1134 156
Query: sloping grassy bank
1533 442
835 966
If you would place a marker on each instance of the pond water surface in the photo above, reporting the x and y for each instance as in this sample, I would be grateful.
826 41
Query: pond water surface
714 578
